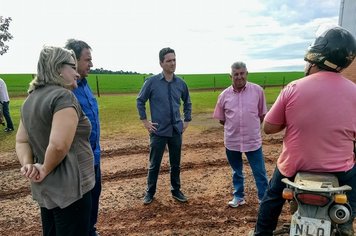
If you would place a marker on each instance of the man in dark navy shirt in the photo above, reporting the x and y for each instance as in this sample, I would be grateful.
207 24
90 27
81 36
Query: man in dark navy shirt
90 107
165 92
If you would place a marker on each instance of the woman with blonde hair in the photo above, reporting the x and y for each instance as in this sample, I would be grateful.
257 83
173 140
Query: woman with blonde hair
53 148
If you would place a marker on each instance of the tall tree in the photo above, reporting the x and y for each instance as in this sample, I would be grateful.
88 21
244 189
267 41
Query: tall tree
5 35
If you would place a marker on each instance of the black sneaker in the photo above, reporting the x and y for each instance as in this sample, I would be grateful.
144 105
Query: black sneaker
178 195
8 129
147 199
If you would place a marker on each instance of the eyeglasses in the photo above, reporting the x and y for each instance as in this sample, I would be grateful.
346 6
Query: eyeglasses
74 66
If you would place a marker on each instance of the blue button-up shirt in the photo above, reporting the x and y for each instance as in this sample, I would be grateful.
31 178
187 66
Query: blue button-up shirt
90 108
165 100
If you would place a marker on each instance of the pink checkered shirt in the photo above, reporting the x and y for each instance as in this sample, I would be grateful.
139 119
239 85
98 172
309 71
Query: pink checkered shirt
242 112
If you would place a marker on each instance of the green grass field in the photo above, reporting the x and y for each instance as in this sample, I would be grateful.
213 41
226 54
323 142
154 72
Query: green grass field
118 114
117 103
113 84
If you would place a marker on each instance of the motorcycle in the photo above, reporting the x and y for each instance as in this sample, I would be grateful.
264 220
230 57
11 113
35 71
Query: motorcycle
318 205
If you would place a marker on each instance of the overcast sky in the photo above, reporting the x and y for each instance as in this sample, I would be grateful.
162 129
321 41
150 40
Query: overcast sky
207 35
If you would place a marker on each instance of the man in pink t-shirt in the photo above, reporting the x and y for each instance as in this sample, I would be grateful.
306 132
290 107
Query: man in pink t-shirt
318 115
241 109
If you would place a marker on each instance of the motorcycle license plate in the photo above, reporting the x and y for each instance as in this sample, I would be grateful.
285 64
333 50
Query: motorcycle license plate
305 226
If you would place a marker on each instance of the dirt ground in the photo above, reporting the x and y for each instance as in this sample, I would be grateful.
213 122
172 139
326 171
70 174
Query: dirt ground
205 178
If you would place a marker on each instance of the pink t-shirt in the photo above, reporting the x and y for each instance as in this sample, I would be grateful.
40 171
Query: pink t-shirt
319 112
241 112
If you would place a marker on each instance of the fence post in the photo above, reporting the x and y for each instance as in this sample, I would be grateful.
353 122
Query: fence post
284 80
264 83
97 86
214 84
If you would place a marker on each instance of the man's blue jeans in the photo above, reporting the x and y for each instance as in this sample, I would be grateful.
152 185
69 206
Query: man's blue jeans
157 147
255 158
272 203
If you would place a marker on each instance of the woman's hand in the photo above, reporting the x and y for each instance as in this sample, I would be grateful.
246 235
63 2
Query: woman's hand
30 171
34 172
42 173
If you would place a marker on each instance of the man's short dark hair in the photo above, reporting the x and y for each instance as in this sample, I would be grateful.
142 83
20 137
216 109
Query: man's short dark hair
77 46
163 52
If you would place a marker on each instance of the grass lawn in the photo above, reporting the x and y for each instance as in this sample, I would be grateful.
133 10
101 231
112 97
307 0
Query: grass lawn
118 114
17 84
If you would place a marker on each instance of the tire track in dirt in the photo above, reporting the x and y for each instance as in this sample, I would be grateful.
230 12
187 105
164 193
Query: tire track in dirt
15 193
187 166
119 175
139 149
206 216
9 165
207 184
142 172
202 215
138 172
129 174
122 151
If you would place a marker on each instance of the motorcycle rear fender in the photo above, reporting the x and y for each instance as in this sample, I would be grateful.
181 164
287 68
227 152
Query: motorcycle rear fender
316 182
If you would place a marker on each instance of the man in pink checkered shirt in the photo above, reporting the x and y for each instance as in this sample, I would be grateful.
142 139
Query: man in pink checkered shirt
241 109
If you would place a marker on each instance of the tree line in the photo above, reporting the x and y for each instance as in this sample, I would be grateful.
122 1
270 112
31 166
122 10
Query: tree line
104 71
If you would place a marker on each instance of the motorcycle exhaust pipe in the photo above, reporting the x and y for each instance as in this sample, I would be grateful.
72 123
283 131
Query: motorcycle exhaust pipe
339 214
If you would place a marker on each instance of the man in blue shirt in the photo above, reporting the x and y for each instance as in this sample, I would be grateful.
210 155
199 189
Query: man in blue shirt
164 92
90 107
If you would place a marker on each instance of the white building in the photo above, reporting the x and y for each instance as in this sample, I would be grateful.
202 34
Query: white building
347 19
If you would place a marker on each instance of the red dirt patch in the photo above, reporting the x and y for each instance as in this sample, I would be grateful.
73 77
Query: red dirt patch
205 177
